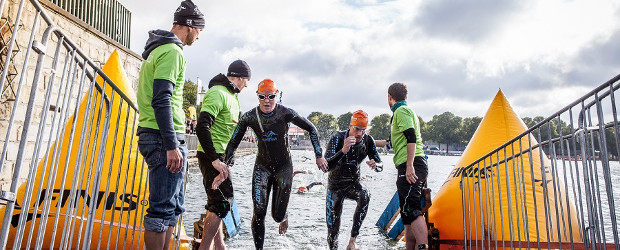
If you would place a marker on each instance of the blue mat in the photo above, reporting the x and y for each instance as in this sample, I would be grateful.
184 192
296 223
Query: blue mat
232 222
392 211
397 230
388 216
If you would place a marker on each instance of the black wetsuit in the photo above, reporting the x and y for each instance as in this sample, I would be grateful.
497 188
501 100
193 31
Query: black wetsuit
273 168
344 182
313 184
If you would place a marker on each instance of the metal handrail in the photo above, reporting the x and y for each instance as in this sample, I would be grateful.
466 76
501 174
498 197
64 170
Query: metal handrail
578 182
72 79
110 17
551 117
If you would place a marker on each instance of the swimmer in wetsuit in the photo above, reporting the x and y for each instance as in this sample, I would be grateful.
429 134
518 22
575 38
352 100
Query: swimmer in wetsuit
299 172
304 189
345 151
273 169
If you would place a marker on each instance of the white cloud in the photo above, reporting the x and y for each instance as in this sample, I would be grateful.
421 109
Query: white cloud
548 32
338 56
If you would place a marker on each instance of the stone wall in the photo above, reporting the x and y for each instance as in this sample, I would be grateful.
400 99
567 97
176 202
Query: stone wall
94 44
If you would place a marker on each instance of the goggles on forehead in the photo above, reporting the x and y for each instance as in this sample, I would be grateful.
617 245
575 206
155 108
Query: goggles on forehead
262 97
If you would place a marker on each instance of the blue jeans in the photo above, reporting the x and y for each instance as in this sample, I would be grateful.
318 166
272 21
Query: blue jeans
166 188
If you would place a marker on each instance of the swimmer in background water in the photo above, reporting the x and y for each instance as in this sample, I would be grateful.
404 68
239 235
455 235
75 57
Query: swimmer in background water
302 189
345 151
299 172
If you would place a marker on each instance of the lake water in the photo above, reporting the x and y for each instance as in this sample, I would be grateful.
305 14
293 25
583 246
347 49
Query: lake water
307 228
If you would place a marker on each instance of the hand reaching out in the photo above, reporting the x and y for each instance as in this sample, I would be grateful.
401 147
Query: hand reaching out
372 164
322 164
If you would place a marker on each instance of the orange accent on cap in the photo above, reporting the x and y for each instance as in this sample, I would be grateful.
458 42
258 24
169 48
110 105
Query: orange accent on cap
359 118
267 85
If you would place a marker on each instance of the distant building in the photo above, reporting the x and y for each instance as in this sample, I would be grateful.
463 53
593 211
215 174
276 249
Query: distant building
296 135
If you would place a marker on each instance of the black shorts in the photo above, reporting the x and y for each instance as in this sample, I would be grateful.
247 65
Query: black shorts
219 200
410 195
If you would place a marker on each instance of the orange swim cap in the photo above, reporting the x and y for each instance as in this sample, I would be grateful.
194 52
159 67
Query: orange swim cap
302 189
359 118
267 85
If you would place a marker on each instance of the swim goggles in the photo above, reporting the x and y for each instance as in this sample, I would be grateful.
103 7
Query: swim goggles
262 97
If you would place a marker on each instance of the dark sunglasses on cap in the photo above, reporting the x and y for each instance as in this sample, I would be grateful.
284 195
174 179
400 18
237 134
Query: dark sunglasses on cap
262 97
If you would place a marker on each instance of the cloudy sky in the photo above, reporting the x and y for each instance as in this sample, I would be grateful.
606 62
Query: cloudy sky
338 56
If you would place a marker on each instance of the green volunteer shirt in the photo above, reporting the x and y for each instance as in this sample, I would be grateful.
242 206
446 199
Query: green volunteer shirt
166 62
403 119
224 106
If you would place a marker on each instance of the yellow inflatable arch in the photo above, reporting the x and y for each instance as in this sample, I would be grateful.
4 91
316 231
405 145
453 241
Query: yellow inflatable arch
496 215
121 200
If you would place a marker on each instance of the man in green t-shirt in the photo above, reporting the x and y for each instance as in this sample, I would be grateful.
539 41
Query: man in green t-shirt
217 120
410 161
161 124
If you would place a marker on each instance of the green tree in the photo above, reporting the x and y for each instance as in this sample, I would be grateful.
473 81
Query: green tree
423 128
545 131
566 128
314 117
380 127
612 147
344 120
189 96
548 130
325 124
428 132
446 128
470 124
528 121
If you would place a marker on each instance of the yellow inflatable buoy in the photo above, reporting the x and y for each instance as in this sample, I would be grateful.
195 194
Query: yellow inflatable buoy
120 201
505 202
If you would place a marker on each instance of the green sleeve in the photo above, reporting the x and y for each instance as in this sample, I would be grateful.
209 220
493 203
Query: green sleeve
404 120
212 103
168 65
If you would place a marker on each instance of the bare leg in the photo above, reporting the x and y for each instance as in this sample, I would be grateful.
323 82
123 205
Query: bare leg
410 237
352 245
219 239
210 231
283 226
154 240
169 234
418 231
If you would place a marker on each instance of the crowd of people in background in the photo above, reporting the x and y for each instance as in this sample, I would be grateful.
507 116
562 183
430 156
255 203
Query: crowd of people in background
190 126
